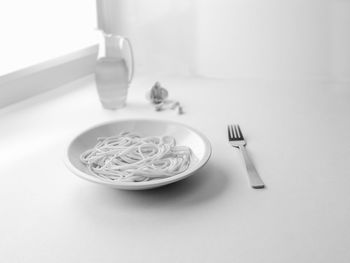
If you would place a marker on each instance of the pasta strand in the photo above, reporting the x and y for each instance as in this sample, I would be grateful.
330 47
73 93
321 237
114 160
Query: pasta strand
128 157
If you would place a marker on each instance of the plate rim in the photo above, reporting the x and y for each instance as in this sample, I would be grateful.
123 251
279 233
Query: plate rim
146 184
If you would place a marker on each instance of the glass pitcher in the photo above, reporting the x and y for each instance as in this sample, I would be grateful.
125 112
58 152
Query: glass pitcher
112 73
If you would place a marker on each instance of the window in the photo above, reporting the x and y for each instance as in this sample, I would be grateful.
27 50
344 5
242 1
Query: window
34 31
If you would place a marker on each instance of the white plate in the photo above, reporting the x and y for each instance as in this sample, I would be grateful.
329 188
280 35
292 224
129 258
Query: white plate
183 134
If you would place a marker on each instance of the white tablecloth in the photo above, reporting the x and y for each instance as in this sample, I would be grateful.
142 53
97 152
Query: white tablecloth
298 136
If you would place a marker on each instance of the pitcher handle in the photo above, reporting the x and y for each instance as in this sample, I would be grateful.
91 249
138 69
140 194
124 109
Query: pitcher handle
131 54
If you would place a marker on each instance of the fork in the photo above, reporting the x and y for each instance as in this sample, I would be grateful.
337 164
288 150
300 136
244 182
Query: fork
236 139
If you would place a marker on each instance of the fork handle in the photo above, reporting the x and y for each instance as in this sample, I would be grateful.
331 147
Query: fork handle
254 178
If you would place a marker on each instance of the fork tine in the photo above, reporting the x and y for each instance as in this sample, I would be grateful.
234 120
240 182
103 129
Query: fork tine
240 132
236 132
233 132
229 132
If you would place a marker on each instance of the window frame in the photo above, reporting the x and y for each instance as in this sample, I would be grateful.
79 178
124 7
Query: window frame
48 75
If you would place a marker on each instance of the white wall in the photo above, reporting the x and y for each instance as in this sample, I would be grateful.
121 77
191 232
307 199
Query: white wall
280 39
263 39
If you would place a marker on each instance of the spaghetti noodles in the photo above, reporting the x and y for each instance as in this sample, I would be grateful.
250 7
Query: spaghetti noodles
129 157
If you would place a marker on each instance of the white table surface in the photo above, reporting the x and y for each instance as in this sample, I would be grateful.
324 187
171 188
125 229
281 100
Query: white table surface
298 136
